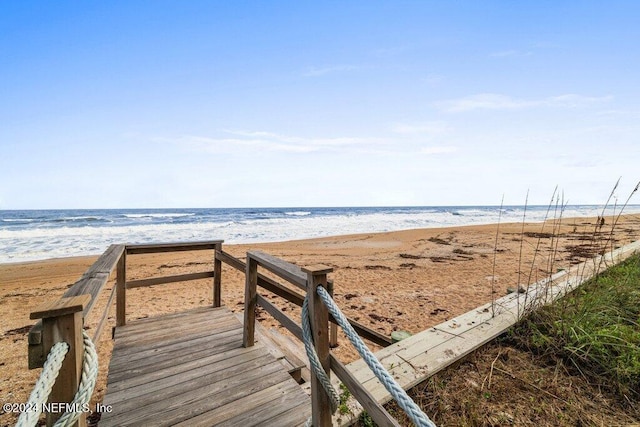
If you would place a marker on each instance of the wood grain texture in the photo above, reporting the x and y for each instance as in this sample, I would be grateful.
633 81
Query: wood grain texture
197 372
172 247
289 272
169 279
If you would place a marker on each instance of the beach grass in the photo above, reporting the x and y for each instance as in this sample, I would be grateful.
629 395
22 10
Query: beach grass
595 330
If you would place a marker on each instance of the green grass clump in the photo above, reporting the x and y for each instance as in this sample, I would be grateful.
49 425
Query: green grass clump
596 329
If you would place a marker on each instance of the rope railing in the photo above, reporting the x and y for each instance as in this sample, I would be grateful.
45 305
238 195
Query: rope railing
416 415
50 371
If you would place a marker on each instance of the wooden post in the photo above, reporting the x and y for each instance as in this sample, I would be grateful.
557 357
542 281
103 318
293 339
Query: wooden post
333 328
320 401
121 291
62 321
217 277
250 301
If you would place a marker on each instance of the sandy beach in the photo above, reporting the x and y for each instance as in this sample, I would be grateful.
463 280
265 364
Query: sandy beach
404 280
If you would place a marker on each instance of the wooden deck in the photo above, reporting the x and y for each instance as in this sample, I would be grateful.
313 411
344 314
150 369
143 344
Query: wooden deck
190 368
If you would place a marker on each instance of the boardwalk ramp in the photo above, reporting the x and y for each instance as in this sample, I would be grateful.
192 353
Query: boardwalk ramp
190 368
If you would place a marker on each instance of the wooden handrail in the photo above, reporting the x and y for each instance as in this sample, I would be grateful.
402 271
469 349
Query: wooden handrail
296 298
169 279
289 272
154 248
320 317
91 283
379 415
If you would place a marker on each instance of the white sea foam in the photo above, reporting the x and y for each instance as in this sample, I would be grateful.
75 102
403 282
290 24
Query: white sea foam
32 243
158 215
298 213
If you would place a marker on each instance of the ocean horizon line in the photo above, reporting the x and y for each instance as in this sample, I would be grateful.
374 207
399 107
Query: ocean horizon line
27 235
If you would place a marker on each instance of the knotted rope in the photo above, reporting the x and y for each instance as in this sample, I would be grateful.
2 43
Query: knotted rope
48 376
416 415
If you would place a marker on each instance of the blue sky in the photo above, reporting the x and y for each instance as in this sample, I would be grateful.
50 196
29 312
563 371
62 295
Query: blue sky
358 103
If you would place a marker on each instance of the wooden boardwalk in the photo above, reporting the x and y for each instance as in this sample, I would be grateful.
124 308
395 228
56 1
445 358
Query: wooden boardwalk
413 360
190 368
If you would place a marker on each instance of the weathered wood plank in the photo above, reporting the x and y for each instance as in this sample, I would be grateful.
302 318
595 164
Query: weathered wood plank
169 319
319 316
173 337
157 335
284 320
264 410
290 272
60 307
222 374
165 317
213 398
125 360
94 279
240 401
172 247
130 387
362 395
103 319
250 301
263 281
121 286
296 416
194 382
169 279
217 277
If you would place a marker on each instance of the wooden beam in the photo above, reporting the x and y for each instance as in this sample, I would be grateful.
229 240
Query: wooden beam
289 272
62 322
377 412
319 316
297 299
103 319
60 307
263 281
284 320
94 279
121 291
250 300
172 247
169 279
217 277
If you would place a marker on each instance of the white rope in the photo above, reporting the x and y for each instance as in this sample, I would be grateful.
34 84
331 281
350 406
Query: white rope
314 360
47 378
414 412
87 383
41 390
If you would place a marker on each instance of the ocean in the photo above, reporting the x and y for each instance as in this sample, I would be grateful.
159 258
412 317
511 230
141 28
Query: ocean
28 235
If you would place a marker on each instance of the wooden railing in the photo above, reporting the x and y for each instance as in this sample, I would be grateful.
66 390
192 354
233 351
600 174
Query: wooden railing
297 298
91 283
64 319
123 284
307 279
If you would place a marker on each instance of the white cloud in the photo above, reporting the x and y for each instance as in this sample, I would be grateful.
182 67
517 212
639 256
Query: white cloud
509 53
242 140
438 150
430 128
493 101
433 80
321 71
